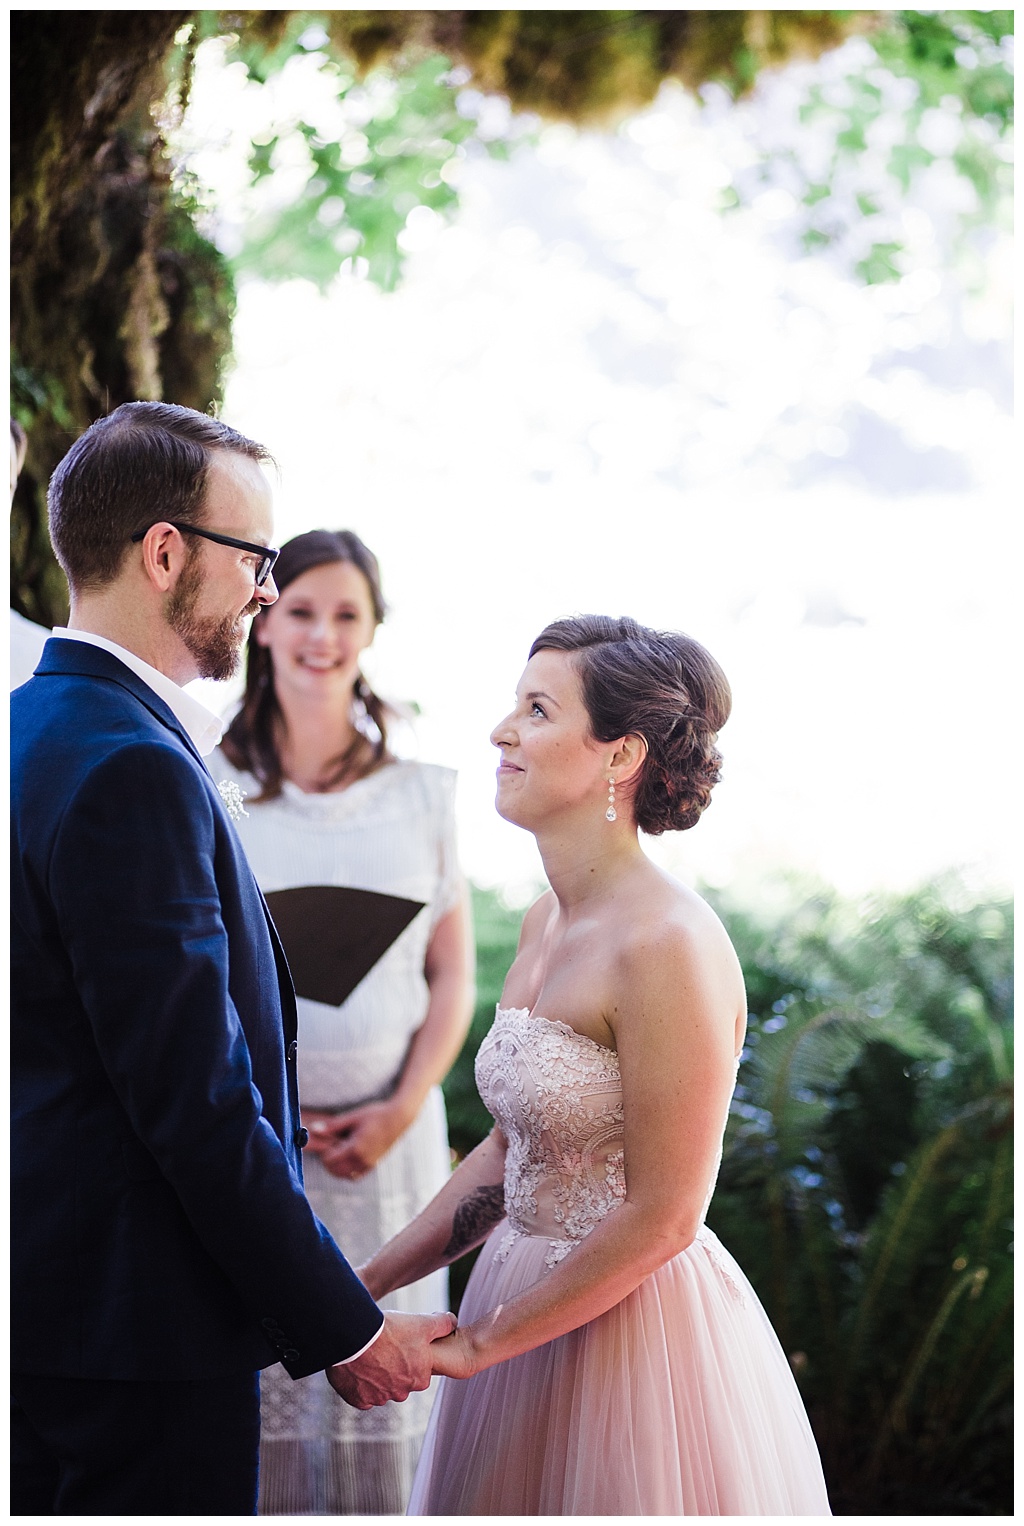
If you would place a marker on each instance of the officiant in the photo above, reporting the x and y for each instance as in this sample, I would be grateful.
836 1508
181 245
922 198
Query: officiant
355 851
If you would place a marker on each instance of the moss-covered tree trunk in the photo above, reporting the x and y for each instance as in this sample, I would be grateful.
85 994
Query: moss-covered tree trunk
114 294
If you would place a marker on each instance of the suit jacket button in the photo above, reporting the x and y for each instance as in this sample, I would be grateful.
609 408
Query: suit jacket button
293 1049
302 1138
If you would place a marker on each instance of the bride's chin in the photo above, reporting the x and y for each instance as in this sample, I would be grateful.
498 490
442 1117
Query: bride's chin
507 812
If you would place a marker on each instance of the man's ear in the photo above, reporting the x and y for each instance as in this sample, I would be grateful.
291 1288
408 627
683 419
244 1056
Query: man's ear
164 555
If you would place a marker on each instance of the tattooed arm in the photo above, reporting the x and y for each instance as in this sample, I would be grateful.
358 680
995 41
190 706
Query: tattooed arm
460 1217
474 1219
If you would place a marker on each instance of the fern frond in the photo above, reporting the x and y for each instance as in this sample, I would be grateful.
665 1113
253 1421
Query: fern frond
890 1236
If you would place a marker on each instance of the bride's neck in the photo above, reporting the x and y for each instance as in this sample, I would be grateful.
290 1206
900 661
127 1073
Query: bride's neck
583 867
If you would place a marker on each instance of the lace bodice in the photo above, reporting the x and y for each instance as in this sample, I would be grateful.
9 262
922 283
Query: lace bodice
557 1097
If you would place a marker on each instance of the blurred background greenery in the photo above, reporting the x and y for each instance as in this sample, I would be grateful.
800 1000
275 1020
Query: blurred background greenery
120 290
866 1182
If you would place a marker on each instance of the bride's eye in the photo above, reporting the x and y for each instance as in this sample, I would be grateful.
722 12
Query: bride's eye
539 709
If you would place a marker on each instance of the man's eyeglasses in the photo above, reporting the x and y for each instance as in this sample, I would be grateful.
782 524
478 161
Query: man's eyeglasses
267 555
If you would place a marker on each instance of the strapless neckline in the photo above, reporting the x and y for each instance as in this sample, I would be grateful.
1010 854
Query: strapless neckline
554 1022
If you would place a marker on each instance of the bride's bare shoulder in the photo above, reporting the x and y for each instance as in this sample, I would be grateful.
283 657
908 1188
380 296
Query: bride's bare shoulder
536 919
672 918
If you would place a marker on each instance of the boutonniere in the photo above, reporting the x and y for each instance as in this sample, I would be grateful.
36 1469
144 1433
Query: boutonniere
232 797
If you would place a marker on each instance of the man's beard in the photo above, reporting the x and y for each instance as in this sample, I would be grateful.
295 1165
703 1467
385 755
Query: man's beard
215 644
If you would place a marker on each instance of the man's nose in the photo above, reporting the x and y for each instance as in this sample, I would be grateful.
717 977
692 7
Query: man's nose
266 593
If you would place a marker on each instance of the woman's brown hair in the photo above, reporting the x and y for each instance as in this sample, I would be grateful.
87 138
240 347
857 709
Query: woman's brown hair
251 741
662 685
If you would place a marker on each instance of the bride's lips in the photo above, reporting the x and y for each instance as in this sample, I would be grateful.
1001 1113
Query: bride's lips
508 768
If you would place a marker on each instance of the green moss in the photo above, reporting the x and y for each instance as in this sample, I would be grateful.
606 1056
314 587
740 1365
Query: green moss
114 293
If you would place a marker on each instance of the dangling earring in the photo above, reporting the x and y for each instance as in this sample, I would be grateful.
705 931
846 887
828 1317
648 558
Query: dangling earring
611 814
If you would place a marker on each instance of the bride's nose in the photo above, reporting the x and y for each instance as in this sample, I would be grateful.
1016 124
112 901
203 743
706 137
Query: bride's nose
503 734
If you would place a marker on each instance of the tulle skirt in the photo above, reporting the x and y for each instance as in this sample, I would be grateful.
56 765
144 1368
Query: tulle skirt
677 1401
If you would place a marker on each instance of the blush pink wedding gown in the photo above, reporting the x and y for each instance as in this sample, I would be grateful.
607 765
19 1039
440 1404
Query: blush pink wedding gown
677 1401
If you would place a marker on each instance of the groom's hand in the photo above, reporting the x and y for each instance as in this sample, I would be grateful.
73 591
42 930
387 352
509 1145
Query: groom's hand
399 1361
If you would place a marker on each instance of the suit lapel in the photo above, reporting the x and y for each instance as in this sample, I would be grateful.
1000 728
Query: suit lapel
289 1012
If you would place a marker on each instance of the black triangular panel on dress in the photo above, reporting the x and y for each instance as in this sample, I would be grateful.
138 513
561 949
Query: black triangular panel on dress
334 935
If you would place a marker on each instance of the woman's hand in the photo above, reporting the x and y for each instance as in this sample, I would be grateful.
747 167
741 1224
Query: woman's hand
351 1143
455 1356
370 1281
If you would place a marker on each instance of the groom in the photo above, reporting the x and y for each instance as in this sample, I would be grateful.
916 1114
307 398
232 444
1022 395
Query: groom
163 1250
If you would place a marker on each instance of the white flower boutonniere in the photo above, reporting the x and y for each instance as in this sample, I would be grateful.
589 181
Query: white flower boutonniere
232 797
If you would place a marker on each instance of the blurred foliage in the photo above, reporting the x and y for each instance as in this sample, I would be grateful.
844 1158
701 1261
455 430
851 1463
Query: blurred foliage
387 154
865 1186
496 927
930 91
396 139
953 53
585 67
118 292
382 161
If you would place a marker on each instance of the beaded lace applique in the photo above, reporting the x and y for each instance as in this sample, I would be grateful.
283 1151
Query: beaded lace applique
557 1096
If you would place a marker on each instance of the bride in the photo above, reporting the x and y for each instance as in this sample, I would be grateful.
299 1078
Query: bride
617 1361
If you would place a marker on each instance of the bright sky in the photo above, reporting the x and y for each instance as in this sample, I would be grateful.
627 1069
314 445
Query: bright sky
594 392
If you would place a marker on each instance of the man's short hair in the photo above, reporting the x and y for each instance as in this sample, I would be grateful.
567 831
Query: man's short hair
143 463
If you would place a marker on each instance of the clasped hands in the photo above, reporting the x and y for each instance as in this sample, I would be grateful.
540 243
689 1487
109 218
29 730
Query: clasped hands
351 1142
410 1349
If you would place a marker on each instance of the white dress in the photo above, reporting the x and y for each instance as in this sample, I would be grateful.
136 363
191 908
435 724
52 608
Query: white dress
392 832
27 642
677 1401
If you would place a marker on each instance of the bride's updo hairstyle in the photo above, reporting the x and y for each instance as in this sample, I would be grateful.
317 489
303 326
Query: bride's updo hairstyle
666 687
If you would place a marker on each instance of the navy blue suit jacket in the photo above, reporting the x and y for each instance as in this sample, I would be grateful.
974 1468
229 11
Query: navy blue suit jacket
159 1227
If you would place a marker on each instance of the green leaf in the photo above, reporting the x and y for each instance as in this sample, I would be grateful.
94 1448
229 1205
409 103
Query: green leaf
880 264
362 189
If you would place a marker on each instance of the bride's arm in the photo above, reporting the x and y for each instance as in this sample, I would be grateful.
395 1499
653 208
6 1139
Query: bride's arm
460 1217
470 1204
675 1029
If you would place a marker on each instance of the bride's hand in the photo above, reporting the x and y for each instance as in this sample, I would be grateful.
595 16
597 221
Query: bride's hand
373 1285
454 1356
